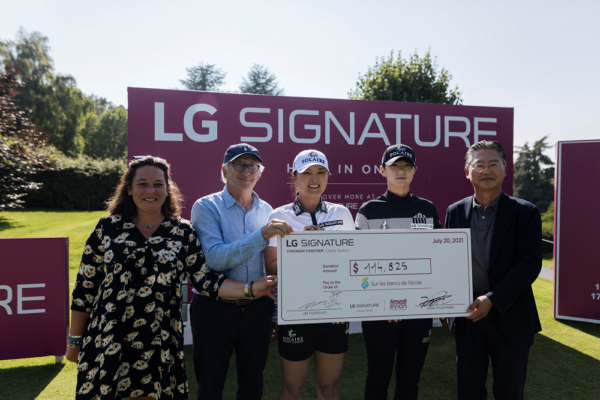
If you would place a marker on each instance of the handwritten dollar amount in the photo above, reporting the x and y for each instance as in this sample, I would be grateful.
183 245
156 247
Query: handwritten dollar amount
390 267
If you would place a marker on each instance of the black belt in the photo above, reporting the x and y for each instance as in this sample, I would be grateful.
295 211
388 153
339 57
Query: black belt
240 302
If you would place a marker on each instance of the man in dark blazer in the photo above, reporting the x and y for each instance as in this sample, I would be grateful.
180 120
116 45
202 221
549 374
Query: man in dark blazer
506 238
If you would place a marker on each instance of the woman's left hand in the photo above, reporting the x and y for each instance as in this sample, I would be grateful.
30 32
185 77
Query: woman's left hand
265 286
72 353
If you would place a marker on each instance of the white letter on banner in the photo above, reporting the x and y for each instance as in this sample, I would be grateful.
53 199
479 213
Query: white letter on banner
159 126
21 299
188 123
438 134
480 132
462 135
280 125
255 124
329 118
316 128
4 303
380 134
398 118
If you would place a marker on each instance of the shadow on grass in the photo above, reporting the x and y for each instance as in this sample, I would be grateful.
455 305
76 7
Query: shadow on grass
586 327
6 223
555 371
27 382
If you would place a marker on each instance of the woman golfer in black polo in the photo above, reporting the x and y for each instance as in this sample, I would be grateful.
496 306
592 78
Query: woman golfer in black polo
327 342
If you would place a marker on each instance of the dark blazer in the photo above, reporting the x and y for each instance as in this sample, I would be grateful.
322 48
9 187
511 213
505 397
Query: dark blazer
515 263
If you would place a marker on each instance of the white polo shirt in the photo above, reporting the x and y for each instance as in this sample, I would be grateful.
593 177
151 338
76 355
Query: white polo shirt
329 216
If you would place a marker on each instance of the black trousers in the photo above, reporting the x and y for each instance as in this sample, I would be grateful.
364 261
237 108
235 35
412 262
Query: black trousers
476 343
410 339
220 328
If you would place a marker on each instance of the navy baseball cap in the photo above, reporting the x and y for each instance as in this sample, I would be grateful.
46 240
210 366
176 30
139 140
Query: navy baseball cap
396 152
237 150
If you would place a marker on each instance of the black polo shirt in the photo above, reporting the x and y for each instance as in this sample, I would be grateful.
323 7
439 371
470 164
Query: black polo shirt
390 211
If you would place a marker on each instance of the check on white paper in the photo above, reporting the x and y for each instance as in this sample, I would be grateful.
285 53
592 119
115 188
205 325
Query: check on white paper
368 275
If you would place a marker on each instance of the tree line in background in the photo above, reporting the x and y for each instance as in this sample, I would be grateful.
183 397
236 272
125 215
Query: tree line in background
39 107
77 123
209 78
534 181
87 124
64 148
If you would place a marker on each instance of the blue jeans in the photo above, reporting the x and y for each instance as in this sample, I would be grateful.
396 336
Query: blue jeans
220 328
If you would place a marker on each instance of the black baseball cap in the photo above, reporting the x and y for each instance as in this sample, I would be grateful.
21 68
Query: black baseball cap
237 150
396 152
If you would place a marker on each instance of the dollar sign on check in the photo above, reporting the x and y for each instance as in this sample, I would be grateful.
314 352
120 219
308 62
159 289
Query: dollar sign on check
355 267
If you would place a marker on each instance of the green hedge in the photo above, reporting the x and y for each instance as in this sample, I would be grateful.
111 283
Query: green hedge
548 228
82 183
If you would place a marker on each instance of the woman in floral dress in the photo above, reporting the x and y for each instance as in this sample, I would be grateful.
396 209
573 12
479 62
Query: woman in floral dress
126 330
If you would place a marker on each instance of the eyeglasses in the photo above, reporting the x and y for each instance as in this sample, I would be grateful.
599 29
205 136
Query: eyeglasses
493 166
143 157
252 168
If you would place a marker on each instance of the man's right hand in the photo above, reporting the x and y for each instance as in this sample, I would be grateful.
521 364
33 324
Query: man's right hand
276 227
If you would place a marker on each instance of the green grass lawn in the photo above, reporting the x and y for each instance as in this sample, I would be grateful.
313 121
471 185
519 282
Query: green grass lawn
77 226
564 361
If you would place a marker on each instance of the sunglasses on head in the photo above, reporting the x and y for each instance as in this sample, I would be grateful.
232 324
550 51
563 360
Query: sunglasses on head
143 157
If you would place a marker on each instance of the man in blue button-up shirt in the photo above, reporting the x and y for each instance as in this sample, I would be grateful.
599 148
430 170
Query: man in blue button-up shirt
233 229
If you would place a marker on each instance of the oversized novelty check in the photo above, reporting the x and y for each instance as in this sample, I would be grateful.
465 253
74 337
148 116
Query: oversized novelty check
367 275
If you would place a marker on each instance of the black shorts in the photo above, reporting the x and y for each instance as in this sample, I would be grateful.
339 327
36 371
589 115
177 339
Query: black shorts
298 342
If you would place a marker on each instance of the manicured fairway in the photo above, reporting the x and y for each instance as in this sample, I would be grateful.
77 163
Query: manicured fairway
77 226
564 362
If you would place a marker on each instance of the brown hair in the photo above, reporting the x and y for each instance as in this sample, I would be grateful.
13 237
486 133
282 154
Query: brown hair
485 145
122 203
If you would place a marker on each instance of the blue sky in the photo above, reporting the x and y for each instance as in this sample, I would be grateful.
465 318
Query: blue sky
539 57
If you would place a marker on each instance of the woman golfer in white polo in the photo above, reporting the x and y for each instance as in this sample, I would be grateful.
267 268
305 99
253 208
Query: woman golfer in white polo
327 342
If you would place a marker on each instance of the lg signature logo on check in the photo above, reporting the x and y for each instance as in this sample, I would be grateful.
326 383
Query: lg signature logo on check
320 242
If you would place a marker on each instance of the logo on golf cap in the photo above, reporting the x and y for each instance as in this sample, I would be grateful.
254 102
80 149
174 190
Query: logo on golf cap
396 152
307 158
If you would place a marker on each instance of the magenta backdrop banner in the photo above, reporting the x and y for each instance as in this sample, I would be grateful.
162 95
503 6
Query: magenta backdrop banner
34 306
192 130
576 272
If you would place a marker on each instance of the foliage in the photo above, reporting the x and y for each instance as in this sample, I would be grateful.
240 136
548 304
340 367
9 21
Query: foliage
260 81
58 106
413 80
548 228
534 174
65 113
108 138
80 183
21 144
205 77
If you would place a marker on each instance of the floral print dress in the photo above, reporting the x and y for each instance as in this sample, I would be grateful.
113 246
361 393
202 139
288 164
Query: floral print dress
132 288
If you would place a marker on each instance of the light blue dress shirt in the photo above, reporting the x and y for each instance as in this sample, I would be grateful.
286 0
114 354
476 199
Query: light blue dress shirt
231 238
